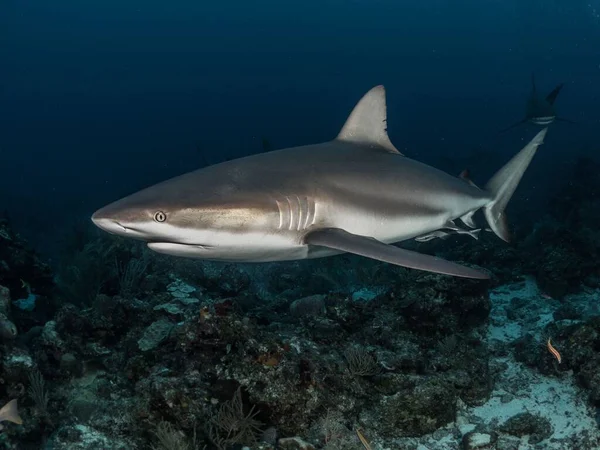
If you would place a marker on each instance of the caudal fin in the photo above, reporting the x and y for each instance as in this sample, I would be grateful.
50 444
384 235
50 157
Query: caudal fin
551 97
514 125
503 185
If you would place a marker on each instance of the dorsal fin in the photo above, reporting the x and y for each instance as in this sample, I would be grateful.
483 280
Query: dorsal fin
367 123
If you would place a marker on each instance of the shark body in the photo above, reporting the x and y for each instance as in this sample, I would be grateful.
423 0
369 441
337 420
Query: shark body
353 194
540 109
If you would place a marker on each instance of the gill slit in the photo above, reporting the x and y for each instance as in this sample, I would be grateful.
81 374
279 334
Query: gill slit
279 208
300 211
296 212
310 217
291 213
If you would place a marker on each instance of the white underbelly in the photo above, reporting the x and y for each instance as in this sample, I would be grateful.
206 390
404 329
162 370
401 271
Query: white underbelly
240 247
389 228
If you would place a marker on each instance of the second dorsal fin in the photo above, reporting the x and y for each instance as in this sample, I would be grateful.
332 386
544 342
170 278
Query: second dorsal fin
465 175
367 123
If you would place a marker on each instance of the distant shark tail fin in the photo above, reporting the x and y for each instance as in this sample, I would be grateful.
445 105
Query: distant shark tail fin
551 97
503 185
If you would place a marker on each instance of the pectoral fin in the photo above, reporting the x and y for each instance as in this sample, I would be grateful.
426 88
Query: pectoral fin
562 119
338 239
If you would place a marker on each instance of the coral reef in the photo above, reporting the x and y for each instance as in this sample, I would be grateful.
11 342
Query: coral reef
119 348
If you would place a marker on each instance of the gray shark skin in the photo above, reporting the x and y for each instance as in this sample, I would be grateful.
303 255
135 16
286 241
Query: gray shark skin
539 110
353 194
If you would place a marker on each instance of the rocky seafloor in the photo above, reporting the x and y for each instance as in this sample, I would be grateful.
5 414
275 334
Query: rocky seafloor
114 347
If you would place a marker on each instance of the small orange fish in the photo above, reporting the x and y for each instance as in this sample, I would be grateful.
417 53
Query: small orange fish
552 350
363 440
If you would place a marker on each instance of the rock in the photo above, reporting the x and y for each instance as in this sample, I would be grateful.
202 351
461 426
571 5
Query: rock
475 440
17 365
26 304
538 428
81 437
178 289
8 330
156 333
365 294
417 411
70 364
566 312
188 300
171 308
506 442
50 336
313 305
443 305
4 300
83 404
230 281
269 436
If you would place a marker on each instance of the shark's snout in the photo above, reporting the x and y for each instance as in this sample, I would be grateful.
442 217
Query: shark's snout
132 224
105 222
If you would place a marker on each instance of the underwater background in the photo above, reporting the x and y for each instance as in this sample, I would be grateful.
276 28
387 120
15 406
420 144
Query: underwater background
107 345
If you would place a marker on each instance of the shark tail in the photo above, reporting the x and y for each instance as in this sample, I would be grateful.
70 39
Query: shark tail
503 184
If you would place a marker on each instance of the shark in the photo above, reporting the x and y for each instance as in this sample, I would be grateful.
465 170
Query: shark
353 194
539 110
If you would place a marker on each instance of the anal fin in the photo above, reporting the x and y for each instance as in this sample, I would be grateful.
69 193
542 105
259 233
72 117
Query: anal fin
467 219
341 240
447 232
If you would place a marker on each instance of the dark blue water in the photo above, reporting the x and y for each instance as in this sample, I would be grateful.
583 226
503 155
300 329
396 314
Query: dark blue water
100 98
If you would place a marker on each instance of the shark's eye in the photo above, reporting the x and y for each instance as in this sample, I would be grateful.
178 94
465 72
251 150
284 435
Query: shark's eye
160 216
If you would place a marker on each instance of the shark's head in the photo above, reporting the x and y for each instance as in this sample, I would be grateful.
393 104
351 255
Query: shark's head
150 215
186 217
540 110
